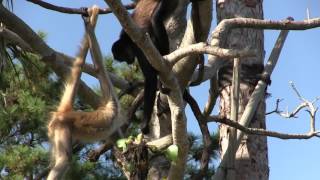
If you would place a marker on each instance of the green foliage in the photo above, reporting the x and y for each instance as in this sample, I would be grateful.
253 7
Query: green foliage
193 164
29 91
130 73
25 84
20 160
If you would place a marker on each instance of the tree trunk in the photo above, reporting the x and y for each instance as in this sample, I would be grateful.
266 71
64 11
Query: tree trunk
251 160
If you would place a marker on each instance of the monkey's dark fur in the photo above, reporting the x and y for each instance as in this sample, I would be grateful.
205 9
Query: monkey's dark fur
149 15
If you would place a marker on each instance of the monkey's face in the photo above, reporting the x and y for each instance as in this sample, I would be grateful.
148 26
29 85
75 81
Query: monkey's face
122 50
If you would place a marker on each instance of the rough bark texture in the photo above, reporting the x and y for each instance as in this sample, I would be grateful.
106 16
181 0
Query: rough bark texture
180 34
161 118
252 155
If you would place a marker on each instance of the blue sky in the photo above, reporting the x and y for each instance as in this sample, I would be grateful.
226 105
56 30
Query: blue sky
290 159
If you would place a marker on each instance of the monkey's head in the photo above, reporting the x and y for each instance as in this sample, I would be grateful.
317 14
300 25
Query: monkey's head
123 50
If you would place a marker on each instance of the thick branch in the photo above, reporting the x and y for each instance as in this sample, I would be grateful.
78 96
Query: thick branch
201 48
259 91
67 10
232 138
197 30
13 38
160 144
226 25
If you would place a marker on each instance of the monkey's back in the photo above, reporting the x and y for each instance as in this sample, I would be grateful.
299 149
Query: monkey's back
143 12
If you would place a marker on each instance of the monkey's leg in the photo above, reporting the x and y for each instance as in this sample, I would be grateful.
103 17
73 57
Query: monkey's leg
150 88
62 151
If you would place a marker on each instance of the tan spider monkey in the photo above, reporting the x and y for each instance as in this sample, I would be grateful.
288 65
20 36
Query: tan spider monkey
66 125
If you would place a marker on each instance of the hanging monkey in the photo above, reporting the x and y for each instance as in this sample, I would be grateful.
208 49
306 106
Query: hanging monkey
66 125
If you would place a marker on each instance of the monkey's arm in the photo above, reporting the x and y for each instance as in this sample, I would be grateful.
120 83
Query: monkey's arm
104 79
73 80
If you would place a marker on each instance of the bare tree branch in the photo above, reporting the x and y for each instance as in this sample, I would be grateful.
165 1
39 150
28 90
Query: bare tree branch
160 144
263 132
68 10
312 110
201 48
232 136
207 143
294 112
223 28
213 95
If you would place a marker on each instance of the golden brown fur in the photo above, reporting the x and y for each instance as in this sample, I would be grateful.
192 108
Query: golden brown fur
67 125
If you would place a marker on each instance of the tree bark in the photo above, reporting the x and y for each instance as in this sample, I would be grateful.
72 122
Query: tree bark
162 117
251 159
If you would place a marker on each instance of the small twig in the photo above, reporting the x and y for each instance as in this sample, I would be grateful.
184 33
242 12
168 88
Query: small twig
68 10
276 110
296 91
315 100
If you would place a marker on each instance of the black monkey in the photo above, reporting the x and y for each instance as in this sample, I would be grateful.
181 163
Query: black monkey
149 15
